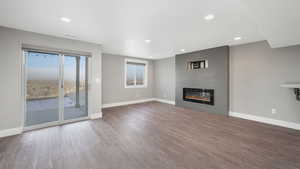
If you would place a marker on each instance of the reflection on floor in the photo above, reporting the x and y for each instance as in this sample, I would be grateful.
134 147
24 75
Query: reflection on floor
46 110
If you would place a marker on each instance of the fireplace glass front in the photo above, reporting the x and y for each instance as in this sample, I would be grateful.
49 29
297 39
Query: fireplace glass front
204 96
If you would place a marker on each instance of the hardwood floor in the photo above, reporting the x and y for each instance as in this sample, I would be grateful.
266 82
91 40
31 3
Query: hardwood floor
154 136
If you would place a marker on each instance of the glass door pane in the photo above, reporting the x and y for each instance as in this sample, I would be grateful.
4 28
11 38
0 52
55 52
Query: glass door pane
42 88
75 87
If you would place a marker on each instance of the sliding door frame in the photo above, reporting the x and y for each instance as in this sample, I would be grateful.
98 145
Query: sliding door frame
62 107
61 120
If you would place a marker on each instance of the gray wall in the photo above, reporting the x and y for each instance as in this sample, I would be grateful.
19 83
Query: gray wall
113 81
11 40
164 74
257 71
216 77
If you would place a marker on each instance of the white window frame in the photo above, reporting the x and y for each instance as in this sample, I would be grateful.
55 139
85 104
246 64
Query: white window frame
145 76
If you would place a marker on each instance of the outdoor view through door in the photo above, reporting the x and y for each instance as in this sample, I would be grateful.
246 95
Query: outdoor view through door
75 87
56 88
42 88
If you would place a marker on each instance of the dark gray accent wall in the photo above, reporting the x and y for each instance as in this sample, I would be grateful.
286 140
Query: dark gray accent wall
216 77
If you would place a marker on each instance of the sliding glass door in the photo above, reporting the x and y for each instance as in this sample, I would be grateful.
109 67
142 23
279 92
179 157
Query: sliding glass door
75 87
42 88
56 88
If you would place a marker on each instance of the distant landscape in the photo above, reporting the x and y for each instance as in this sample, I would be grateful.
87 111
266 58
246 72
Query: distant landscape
43 89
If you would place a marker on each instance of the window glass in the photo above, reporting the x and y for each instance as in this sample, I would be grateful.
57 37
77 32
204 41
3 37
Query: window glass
135 74
130 74
140 74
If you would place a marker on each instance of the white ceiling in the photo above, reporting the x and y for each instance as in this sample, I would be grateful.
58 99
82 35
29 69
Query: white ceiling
122 26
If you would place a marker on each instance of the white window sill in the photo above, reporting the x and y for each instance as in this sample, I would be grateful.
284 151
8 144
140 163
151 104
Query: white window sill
129 87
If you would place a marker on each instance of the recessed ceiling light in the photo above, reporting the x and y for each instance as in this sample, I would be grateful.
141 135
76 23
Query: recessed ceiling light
151 56
209 17
64 19
238 38
147 41
182 50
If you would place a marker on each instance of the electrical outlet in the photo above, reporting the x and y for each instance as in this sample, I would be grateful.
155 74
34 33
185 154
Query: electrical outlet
274 111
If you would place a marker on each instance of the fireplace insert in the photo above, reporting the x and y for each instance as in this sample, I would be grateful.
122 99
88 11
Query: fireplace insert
204 96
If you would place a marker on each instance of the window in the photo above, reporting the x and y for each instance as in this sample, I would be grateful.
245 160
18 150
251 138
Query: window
135 73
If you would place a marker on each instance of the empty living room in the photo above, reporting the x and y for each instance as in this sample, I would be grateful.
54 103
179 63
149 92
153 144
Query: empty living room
150 84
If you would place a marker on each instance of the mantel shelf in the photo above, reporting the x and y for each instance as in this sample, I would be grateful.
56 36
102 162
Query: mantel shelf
291 85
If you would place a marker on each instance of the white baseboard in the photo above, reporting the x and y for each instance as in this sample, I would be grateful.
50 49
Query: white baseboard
137 101
96 116
165 101
266 120
126 103
11 132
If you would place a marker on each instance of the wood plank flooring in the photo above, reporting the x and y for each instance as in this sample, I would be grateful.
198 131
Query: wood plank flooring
154 136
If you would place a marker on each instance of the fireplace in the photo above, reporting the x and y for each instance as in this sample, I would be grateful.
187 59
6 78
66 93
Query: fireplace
204 96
